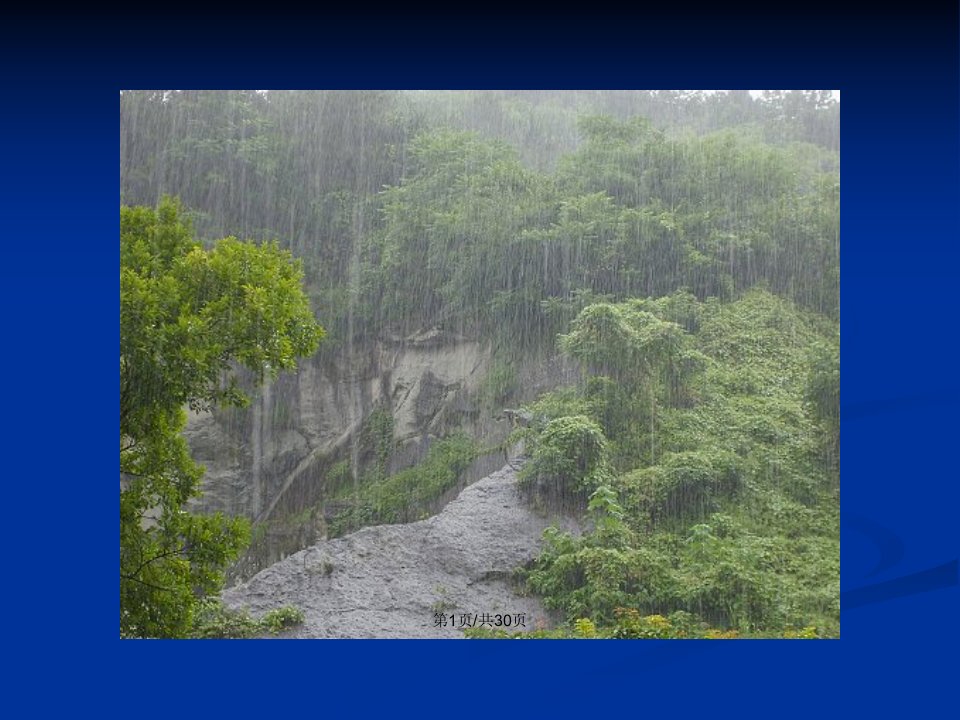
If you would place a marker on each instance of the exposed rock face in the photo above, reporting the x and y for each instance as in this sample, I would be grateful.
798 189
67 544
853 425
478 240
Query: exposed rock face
391 580
299 425
273 461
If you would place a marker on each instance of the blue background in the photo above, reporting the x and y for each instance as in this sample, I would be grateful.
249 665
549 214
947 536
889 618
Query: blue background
899 80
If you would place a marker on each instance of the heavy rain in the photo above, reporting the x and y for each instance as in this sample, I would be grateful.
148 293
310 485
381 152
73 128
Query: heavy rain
468 364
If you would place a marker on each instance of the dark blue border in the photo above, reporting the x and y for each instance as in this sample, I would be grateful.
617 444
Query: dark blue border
899 79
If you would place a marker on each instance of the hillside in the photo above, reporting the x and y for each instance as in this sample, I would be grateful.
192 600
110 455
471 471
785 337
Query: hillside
639 288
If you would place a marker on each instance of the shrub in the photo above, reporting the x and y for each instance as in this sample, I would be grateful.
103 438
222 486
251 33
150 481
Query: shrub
282 618
214 620
568 457
407 495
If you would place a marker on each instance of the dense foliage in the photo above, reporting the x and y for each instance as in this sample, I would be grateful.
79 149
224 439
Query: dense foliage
188 317
416 208
725 505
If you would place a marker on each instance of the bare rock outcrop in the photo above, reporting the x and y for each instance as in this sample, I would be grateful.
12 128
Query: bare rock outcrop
393 580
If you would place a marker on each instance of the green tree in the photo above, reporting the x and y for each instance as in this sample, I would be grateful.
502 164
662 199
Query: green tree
647 360
189 318
568 458
452 246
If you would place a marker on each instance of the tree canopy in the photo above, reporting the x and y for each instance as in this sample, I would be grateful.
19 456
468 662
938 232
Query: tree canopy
189 318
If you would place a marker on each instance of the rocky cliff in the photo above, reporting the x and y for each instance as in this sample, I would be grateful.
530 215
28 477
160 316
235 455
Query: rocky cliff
254 457
272 462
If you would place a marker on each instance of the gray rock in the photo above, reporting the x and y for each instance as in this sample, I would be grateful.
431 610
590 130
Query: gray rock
392 580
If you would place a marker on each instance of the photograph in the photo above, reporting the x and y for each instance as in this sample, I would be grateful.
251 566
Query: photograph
480 364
